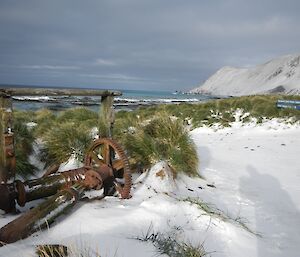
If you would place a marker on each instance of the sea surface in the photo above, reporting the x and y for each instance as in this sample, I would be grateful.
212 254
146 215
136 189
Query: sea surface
129 100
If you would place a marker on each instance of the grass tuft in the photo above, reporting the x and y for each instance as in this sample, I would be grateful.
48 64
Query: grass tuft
51 251
24 139
170 245
55 250
64 134
65 140
160 138
213 211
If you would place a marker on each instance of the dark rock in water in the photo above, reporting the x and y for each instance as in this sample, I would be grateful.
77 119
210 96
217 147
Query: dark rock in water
58 107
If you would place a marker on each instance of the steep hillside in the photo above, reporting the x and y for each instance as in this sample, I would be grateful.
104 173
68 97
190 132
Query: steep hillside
280 75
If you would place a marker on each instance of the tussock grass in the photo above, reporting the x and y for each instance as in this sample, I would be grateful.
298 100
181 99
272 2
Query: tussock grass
160 138
65 140
24 139
63 251
83 115
222 111
169 244
65 134
45 120
51 251
23 116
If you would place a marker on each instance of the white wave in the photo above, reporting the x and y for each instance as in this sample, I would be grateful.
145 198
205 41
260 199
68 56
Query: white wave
32 98
157 100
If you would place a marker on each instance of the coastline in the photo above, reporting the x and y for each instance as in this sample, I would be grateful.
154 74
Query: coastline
126 101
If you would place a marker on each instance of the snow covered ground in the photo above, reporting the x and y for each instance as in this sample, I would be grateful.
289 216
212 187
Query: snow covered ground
256 171
252 178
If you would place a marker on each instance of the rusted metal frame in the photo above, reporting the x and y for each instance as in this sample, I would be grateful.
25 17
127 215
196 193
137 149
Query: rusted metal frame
45 213
30 190
41 216
46 186
119 166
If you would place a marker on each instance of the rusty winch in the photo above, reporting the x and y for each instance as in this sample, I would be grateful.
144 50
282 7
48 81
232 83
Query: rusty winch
106 167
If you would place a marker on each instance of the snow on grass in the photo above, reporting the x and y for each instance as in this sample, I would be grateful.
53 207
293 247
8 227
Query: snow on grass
251 176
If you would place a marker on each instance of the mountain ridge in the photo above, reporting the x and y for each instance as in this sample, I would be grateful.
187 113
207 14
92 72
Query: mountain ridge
279 75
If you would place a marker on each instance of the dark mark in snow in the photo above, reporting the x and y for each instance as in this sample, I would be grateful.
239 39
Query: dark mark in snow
252 149
190 190
200 187
283 144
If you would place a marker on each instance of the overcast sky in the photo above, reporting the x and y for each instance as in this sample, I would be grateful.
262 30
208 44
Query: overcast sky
140 44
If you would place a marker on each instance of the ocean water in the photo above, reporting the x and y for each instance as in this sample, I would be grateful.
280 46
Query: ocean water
161 96
130 99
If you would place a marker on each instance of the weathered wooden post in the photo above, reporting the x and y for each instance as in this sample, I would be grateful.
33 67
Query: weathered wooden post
7 154
106 116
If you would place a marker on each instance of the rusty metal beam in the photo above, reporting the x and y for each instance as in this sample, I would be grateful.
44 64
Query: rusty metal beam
45 213
41 216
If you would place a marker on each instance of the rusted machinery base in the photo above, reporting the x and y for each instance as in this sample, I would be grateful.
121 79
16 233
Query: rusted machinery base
106 167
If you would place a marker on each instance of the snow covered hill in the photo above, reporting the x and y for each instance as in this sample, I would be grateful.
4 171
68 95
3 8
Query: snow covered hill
280 75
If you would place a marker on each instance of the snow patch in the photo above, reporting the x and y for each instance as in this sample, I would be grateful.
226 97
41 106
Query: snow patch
159 179
71 164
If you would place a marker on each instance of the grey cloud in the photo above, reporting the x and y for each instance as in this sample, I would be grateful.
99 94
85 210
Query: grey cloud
105 62
157 44
49 67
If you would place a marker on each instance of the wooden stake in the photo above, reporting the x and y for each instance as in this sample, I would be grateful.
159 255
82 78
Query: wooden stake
7 153
106 116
